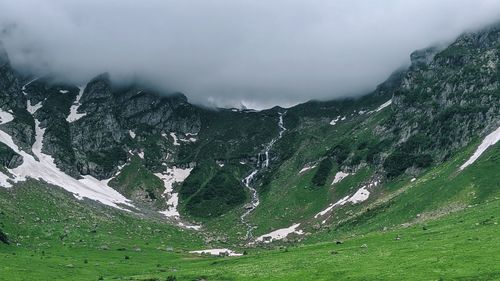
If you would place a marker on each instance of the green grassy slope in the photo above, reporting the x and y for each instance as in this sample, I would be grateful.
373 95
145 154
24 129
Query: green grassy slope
63 239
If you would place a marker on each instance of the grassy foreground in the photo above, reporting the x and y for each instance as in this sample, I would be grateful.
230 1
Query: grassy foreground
463 246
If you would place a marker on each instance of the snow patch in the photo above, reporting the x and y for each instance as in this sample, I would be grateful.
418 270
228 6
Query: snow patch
73 111
217 252
33 108
307 168
5 117
361 195
339 177
488 141
131 133
341 202
384 105
141 154
280 234
334 121
4 180
188 139
45 169
63 91
169 177
175 139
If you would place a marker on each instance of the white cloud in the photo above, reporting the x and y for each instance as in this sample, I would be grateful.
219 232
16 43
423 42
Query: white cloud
228 51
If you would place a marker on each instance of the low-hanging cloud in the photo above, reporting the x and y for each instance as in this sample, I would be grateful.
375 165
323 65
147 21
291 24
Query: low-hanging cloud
229 52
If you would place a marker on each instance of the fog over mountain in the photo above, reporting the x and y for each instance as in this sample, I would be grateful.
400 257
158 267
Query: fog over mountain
226 52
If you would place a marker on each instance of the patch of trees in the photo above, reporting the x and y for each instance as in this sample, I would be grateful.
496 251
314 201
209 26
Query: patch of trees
409 154
324 168
220 194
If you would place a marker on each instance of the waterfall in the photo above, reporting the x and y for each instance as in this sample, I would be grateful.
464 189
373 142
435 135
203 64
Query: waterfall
247 181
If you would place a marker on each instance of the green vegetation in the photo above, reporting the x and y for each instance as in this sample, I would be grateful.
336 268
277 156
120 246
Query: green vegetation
211 190
323 171
134 177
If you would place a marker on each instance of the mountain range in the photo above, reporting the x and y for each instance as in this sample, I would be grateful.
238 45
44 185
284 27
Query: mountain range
91 171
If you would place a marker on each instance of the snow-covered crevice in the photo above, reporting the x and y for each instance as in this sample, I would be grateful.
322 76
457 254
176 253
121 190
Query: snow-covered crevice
217 252
46 170
488 141
247 181
280 234
73 111
361 195
170 177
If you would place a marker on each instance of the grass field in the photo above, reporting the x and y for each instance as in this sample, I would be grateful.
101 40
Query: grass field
463 246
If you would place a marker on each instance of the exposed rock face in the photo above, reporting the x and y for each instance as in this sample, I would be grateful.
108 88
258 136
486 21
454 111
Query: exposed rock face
22 129
452 96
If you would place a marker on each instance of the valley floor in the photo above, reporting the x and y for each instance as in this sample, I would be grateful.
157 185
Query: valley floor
461 246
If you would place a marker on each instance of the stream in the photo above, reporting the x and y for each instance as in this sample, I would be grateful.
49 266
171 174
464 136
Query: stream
247 181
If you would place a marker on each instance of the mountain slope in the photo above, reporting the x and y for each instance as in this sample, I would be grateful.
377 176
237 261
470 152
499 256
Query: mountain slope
400 155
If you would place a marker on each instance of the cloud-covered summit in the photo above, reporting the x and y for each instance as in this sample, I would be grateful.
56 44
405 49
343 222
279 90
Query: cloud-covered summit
228 52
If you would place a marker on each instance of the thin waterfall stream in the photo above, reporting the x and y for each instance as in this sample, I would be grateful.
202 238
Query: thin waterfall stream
247 181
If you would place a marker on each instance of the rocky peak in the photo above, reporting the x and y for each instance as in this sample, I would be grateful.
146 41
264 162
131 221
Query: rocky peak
423 56
97 89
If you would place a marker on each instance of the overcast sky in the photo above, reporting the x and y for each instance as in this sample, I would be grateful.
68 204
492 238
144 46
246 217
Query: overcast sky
227 52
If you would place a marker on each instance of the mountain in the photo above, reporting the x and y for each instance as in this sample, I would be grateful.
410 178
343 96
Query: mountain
102 166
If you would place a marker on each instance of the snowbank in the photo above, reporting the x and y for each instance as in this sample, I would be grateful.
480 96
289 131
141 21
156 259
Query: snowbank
488 141
280 234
